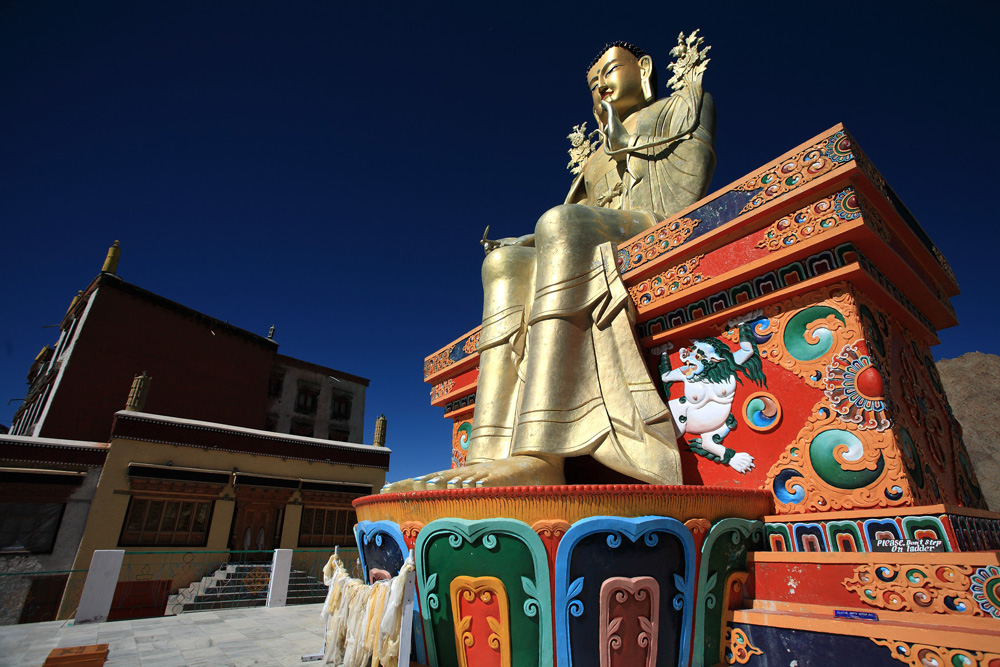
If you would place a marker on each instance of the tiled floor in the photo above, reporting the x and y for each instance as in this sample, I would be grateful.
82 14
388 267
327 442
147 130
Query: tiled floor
240 637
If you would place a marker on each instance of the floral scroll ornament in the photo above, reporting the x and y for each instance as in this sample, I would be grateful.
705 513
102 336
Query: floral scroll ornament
477 599
940 589
659 240
795 171
581 147
803 224
739 650
471 345
637 600
690 62
664 285
921 655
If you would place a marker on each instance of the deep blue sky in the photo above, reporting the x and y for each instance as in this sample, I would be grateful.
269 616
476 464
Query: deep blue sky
329 167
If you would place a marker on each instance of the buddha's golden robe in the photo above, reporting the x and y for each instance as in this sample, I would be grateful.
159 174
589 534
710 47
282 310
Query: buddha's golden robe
561 372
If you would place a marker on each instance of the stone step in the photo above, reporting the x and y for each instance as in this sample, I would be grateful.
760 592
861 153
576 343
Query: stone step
245 585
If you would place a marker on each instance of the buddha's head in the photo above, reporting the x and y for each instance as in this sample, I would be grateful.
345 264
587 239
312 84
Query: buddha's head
623 75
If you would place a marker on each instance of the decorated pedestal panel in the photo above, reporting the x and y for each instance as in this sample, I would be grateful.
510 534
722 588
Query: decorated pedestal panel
849 642
722 581
604 590
936 528
940 586
381 548
484 589
629 583
824 398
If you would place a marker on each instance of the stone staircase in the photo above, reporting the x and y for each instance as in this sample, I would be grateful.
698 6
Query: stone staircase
242 585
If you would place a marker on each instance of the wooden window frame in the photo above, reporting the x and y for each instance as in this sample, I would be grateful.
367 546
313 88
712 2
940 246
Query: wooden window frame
333 518
165 531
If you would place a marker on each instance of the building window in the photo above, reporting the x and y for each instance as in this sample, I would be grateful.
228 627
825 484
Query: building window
29 527
275 385
339 434
322 527
302 427
271 422
340 406
150 522
307 398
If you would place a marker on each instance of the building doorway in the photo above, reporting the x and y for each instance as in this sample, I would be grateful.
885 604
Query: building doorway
258 518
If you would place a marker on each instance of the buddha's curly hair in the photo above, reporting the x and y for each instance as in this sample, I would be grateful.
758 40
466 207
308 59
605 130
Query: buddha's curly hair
631 48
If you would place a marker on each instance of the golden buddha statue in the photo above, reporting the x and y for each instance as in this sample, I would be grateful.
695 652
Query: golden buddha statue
561 373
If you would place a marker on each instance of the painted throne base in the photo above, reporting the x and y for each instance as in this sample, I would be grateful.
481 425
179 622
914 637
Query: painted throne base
585 575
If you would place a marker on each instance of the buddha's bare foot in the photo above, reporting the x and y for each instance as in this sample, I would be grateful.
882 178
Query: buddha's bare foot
515 471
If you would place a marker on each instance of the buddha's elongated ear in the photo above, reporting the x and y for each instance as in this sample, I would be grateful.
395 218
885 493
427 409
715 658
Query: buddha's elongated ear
646 72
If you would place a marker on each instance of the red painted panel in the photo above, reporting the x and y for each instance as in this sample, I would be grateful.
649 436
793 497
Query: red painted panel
806 583
139 599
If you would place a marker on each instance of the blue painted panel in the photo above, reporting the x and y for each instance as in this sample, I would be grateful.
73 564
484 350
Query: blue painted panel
874 526
781 647
811 529
597 548
380 545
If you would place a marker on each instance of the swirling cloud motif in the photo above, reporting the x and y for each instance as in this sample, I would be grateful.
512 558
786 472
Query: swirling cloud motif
762 411
759 326
831 449
463 438
807 344
786 492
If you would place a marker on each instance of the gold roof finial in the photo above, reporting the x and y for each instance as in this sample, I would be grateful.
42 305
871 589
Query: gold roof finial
138 393
111 262
380 428
76 300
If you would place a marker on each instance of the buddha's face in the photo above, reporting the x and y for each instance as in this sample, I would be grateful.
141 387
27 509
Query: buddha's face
617 78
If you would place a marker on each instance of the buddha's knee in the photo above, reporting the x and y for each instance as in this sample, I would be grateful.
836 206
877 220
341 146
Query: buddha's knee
508 262
559 223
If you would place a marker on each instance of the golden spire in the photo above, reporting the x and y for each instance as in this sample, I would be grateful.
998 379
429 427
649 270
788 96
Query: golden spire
137 395
111 263
380 428
76 300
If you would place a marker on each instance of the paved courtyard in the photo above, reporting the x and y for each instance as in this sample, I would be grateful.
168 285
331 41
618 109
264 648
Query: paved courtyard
240 637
